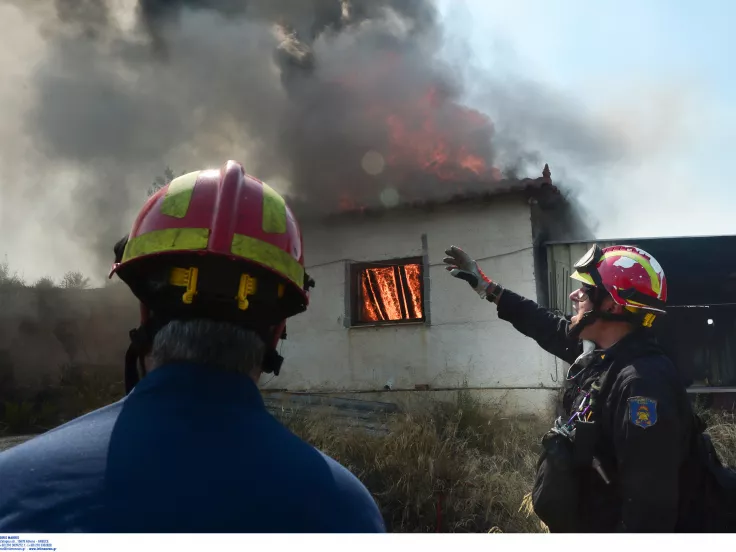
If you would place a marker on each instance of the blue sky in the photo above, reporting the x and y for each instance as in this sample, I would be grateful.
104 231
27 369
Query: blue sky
661 72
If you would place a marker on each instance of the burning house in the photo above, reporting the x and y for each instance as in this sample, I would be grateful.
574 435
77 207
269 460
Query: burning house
352 109
386 316
389 168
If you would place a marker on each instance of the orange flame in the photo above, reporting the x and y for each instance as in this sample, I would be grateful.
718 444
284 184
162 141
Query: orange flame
418 139
424 130
391 293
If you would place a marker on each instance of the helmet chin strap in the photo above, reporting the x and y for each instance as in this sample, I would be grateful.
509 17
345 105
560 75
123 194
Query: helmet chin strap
272 361
141 341
574 330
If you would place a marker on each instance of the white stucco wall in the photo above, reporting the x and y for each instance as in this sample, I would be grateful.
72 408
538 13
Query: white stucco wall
466 343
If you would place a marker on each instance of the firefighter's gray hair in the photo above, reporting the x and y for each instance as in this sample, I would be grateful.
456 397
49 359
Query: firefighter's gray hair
218 345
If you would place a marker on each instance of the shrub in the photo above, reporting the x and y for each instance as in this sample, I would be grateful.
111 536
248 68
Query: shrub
74 280
77 392
9 277
44 283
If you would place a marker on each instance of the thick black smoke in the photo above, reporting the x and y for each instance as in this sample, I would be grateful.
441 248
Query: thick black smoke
310 95
344 68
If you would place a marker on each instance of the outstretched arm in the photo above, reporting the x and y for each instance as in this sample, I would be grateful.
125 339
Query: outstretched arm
532 320
542 325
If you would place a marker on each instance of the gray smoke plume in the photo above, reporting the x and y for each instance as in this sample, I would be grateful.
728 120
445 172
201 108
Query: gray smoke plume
337 103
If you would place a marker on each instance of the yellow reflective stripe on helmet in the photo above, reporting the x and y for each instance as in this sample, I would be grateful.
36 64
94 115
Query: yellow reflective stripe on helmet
179 195
653 276
161 241
274 211
268 255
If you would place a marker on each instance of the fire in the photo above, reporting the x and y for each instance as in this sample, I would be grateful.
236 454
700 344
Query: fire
391 293
418 138
417 126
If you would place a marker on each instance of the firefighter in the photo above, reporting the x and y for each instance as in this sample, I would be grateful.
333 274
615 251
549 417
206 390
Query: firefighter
624 467
215 259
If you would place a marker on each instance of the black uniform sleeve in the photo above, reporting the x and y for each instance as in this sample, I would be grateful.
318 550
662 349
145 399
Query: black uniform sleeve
542 325
648 436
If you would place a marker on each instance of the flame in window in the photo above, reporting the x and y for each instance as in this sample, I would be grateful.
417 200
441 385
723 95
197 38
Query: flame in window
391 293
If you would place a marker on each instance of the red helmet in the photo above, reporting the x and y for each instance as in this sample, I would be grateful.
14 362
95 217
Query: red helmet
631 276
224 220
216 244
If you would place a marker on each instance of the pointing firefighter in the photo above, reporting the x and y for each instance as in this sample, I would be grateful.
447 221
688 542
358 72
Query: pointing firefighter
215 259
615 461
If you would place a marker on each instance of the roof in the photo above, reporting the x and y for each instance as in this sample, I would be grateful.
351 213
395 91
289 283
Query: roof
449 194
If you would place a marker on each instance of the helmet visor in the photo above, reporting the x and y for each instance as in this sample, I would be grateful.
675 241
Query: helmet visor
588 264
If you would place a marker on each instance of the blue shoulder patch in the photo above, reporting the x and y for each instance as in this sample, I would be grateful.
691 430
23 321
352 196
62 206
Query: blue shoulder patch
642 411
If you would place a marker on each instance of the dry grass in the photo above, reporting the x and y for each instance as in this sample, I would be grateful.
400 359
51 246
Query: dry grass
447 467
477 464
722 429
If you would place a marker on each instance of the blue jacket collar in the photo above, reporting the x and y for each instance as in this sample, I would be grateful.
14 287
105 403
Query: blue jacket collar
201 383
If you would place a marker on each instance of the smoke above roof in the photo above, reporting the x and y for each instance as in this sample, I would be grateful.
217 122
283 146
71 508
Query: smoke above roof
335 103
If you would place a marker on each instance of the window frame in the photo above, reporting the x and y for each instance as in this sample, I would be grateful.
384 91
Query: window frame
353 291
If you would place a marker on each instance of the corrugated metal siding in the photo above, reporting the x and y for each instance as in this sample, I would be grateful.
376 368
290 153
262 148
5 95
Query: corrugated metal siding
560 260
705 353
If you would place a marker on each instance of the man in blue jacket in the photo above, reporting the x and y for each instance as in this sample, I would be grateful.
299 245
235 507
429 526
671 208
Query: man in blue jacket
215 259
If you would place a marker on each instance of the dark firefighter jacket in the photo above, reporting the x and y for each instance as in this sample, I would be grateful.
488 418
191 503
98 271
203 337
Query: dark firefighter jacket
644 430
189 450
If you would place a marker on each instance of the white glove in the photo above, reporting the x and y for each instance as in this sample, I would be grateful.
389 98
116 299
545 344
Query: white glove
460 265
